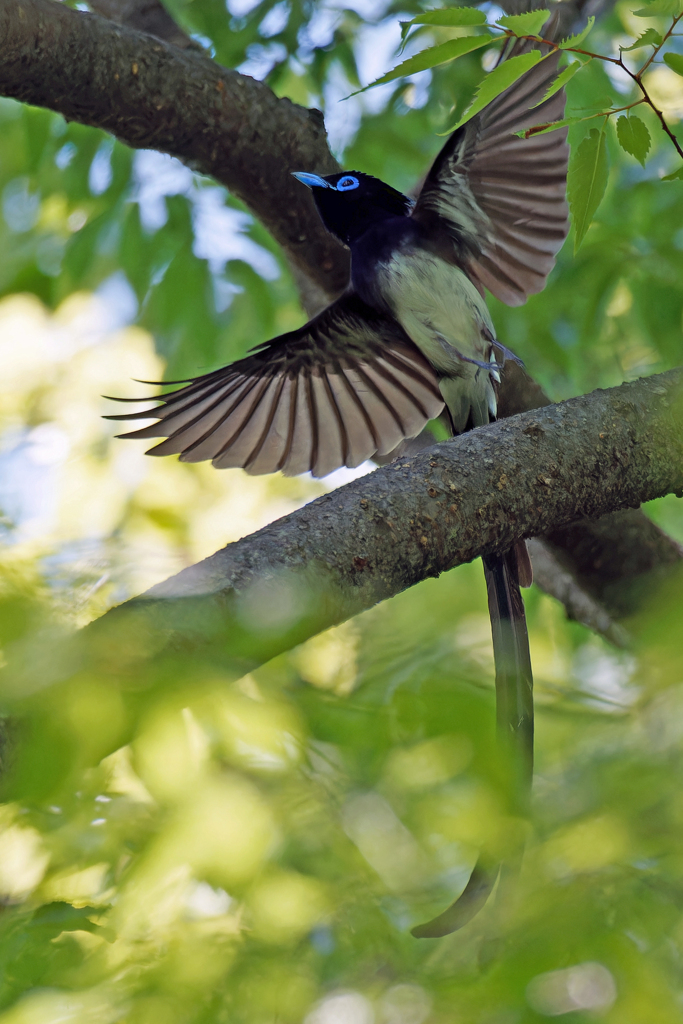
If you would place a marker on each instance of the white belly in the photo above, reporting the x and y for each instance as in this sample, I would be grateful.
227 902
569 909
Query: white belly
443 313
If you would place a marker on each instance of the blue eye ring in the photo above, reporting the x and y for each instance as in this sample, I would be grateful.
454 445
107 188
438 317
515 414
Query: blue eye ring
347 183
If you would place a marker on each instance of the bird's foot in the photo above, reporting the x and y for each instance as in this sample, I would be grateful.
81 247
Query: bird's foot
491 366
506 353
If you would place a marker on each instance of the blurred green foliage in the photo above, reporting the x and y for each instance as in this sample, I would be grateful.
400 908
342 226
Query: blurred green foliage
261 846
180 844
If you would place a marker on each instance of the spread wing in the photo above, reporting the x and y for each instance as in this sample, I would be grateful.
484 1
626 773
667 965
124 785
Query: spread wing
502 199
347 385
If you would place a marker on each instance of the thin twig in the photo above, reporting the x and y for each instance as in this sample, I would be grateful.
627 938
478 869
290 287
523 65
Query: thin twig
661 117
659 46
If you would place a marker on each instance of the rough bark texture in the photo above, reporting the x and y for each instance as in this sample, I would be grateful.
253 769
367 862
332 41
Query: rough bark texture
523 476
153 95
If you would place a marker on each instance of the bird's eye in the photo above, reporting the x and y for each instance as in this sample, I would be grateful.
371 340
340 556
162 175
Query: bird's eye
347 183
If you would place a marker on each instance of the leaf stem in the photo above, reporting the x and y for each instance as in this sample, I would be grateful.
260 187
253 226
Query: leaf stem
618 110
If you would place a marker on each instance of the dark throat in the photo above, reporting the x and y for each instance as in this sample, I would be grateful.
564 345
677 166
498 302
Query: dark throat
350 220
375 246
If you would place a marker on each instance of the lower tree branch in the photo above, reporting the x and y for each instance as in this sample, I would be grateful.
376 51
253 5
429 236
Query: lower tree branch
559 582
346 551
610 558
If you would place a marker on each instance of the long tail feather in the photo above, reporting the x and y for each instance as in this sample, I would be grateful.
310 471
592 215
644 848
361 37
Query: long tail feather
514 716
468 904
514 680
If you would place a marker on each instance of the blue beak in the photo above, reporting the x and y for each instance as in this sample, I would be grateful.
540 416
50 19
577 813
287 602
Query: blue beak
311 180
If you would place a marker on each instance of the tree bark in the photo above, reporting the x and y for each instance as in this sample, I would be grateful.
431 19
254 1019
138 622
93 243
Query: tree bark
476 494
153 95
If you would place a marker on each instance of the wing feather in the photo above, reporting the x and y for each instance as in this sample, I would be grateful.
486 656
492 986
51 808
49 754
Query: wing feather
341 426
501 199
360 433
294 387
330 450
299 457
237 437
270 444
345 386
190 427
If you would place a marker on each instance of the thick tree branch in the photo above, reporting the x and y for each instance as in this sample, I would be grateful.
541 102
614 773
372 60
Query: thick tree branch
414 519
153 95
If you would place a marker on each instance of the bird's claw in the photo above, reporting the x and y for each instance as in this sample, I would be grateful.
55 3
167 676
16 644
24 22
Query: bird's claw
493 365
506 354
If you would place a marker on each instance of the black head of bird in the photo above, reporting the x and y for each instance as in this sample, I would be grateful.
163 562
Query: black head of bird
351 202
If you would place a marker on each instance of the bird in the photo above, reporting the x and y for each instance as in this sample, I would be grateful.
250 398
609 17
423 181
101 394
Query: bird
410 340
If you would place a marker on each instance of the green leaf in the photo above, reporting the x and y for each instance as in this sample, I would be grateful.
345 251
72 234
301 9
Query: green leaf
675 62
430 58
561 81
634 137
650 37
587 181
60 917
496 82
579 37
528 24
676 176
449 17
668 8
